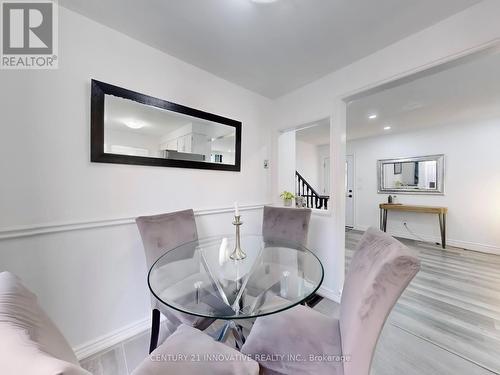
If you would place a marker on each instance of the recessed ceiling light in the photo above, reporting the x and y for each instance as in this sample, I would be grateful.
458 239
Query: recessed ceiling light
373 116
387 128
133 124
264 1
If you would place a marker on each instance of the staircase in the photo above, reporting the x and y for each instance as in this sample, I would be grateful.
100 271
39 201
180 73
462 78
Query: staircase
312 198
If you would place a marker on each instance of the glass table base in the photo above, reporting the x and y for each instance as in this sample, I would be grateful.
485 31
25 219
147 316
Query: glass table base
235 329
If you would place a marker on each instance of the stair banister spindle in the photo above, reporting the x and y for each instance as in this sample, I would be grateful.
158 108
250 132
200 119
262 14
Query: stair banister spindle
312 198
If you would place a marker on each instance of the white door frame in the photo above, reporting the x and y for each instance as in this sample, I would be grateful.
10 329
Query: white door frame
353 171
339 128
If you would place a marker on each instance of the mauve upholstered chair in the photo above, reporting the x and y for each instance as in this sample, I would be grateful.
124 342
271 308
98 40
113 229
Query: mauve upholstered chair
286 224
379 272
30 342
189 351
161 233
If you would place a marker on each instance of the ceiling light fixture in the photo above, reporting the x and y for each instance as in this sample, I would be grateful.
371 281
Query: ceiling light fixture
264 1
133 124
373 116
387 128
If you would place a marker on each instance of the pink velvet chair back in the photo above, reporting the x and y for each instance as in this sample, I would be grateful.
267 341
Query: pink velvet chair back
161 233
164 232
379 272
286 224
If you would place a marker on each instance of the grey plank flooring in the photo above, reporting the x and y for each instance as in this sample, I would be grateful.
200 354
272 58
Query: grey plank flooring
450 312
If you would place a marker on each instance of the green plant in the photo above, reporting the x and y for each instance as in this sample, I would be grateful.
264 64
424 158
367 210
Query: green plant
286 195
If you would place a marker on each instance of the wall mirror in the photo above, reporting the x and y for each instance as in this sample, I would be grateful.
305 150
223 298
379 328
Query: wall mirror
132 128
416 175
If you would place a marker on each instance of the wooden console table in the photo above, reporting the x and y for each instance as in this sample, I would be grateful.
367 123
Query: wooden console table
440 211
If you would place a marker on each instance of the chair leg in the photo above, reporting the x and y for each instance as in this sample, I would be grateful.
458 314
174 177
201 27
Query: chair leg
155 330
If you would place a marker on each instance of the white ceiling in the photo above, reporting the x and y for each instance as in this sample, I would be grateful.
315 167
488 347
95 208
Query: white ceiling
274 48
156 122
316 134
466 92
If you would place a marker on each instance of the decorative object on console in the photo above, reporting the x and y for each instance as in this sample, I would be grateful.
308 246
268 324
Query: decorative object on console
287 198
300 202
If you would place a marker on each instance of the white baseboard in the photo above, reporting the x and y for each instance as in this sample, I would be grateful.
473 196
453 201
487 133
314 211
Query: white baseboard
483 248
330 294
107 341
104 342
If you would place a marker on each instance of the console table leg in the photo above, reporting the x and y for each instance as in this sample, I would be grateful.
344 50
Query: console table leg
385 221
381 219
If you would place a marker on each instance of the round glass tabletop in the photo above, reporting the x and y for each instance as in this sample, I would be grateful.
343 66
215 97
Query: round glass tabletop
200 278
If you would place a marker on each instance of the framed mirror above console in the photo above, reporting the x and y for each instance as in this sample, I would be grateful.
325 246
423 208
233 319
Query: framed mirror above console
132 128
415 175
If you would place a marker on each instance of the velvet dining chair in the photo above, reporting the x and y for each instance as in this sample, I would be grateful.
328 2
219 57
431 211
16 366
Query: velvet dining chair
286 224
30 342
189 351
161 233
379 272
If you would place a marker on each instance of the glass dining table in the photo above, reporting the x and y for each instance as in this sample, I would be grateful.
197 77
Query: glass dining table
200 278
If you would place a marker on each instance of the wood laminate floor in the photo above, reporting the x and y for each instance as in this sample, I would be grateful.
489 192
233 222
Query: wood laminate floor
448 319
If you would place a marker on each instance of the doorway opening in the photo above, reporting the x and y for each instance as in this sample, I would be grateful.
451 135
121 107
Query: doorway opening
304 164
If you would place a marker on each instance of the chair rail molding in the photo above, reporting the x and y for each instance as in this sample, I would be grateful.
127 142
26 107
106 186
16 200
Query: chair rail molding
47 228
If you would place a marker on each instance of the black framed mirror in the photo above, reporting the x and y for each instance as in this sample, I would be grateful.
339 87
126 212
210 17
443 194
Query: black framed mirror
132 128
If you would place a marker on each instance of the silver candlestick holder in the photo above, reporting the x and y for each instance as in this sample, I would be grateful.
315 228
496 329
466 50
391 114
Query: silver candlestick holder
238 253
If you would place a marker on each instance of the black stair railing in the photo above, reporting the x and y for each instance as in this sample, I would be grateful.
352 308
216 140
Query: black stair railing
312 198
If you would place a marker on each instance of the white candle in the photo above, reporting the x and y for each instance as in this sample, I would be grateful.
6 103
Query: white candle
236 209
223 253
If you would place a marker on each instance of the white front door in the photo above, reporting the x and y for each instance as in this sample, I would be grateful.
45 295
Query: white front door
349 190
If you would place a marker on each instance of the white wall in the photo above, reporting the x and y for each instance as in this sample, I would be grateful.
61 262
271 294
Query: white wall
472 183
287 163
61 216
464 31
307 161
